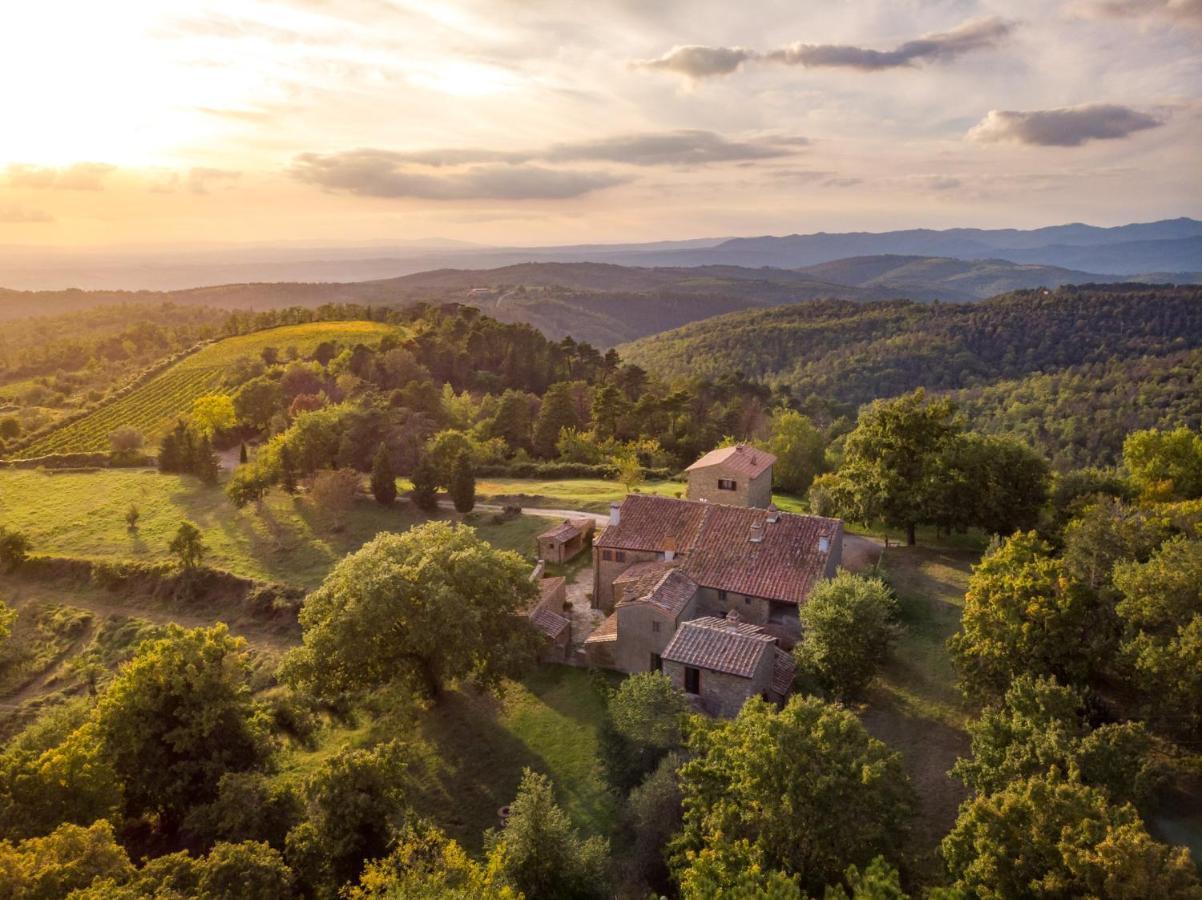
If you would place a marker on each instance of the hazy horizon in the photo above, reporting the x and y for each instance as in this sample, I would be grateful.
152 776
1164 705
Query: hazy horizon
538 124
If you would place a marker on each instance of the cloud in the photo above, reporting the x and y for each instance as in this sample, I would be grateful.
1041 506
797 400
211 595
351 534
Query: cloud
1188 12
453 173
20 215
84 176
700 62
705 62
979 34
200 176
1067 127
380 173
672 148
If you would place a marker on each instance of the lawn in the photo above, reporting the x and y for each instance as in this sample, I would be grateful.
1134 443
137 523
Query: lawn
914 705
153 407
82 514
469 750
586 494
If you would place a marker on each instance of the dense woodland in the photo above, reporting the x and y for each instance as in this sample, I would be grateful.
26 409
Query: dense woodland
845 354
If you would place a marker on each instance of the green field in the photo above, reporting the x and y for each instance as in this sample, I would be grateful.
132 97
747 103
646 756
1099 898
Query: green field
82 514
153 407
587 494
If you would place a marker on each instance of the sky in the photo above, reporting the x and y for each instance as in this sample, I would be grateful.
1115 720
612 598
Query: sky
531 122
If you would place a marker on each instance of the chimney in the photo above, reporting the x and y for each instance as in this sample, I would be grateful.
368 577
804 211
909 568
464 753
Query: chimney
615 513
670 548
773 514
732 618
824 545
757 532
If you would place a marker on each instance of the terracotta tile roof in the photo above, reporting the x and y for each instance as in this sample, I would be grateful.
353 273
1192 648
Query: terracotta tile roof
715 548
606 631
552 624
654 523
671 592
749 461
566 530
548 586
783 669
719 645
643 576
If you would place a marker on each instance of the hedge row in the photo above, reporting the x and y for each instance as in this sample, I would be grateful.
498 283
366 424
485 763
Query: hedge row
555 470
261 599
81 461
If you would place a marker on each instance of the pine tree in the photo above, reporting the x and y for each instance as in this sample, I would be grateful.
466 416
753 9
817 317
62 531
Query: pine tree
463 484
425 485
557 413
383 478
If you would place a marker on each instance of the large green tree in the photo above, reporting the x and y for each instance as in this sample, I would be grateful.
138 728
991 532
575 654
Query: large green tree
848 626
1039 726
71 858
799 448
425 863
892 461
1165 465
432 604
1023 614
802 790
177 718
644 721
1161 614
1046 837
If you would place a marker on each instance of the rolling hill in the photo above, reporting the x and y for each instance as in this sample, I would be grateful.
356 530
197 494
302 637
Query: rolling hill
153 405
602 303
845 354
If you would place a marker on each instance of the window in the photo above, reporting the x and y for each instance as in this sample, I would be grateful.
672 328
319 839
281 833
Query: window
747 601
721 596
655 627
727 484
657 664
619 556
607 555
692 680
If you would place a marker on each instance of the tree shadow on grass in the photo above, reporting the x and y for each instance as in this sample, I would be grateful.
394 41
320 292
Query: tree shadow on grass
472 766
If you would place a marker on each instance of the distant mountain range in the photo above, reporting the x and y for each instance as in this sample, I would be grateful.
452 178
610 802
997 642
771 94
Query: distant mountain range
607 304
1172 247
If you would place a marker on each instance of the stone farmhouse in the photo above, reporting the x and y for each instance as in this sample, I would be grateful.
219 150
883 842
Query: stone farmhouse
708 591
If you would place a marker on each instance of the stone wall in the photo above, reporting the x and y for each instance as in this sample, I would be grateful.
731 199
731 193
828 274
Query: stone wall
703 485
723 694
606 570
638 638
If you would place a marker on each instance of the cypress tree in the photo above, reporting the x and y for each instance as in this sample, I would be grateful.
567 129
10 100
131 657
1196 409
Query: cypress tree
463 484
205 464
242 457
287 470
425 485
383 478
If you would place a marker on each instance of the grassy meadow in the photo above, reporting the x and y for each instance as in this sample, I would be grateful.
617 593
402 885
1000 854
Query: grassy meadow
82 514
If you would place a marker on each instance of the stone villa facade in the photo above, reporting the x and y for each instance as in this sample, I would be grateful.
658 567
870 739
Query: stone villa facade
733 476
709 592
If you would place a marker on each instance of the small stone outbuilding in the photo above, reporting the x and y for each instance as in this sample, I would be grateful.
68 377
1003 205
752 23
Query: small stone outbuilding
733 476
547 615
565 540
722 662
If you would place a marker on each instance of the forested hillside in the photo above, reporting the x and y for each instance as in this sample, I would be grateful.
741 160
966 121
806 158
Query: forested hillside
848 353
